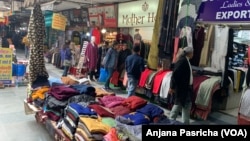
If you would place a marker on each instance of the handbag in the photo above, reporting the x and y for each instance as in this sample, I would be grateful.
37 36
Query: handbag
103 75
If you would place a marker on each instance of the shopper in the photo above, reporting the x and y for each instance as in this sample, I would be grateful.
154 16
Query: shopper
181 86
123 54
67 55
25 41
134 66
101 53
110 63
138 42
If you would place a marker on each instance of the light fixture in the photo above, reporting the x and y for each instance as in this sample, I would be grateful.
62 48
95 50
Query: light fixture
87 34
103 30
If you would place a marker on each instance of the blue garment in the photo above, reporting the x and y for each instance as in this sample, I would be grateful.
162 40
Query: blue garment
81 110
134 66
68 54
151 111
84 89
137 118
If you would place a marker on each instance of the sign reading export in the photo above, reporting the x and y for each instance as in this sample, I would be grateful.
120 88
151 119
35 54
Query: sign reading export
137 14
224 10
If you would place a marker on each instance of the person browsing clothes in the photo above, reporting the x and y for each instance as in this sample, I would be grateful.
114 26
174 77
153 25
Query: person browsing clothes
181 86
67 55
134 66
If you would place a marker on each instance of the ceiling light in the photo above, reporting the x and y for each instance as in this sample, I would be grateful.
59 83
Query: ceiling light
103 30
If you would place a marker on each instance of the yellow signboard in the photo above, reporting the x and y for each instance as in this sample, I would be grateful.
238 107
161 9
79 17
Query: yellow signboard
59 22
6 65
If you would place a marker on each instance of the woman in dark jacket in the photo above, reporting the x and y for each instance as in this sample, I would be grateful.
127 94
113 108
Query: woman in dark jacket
67 55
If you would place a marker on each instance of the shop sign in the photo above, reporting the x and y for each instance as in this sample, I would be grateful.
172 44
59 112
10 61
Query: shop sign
47 6
103 16
6 65
31 3
59 22
138 13
224 10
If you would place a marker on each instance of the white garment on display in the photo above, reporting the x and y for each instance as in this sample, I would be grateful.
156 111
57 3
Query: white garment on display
245 105
220 48
187 10
165 85
187 31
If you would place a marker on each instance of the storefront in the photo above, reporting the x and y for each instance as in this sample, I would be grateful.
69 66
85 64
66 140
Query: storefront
104 19
136 19
228 22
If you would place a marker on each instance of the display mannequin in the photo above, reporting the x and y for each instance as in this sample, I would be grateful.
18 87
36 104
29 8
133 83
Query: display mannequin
91 55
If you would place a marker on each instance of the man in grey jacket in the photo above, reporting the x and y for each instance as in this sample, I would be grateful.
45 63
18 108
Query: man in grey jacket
110 63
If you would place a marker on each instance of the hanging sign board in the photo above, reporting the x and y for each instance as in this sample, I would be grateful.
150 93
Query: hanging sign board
6 65
104 16
59 22
138 13
224 11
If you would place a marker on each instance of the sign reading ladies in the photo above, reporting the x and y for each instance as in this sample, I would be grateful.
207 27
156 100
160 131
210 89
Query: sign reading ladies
224 10
137 14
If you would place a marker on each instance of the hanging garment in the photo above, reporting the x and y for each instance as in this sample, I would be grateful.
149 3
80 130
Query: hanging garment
208 44
150 79
97 34
218 60
144 77
153 53
196 3
165 85
244 108
168 26
36 35
198 43
187 10
158 80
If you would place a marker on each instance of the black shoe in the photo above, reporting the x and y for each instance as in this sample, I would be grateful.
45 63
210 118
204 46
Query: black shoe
107 88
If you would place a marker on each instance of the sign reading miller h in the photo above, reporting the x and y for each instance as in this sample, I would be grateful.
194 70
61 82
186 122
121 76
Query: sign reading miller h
224 10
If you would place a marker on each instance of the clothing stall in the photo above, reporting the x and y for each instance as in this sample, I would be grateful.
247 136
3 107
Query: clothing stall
68 107
208 79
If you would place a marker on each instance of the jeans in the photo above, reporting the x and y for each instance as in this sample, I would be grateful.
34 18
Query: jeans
26 52
65 70
185 112
110 73
132 84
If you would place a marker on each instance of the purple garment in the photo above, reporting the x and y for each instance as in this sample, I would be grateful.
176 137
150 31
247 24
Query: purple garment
62 92
92 56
